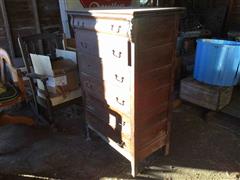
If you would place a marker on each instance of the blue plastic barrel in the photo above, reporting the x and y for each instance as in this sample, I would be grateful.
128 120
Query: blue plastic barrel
217 62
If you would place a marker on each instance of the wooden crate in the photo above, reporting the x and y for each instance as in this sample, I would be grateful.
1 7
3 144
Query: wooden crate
207 96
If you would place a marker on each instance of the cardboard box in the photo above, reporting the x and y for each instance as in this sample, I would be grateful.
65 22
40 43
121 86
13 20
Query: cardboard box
65 77
62 74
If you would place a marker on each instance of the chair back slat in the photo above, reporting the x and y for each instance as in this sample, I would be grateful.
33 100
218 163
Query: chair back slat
44 44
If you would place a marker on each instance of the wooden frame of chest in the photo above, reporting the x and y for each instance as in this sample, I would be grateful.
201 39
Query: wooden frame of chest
126 60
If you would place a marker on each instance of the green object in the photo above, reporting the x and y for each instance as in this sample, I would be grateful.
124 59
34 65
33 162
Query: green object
2 88
11 92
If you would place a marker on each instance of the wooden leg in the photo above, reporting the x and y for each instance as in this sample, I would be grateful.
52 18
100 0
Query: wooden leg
88 138
134 169
7 119
204 114
166 149
51 120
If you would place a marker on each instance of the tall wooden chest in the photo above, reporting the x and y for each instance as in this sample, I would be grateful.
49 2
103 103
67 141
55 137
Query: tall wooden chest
126 61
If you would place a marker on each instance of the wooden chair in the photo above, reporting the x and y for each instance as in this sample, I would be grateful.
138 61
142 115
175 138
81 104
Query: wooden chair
44 44
69 44
12 82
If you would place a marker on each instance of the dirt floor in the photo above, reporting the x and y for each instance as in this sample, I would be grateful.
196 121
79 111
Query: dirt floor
201 149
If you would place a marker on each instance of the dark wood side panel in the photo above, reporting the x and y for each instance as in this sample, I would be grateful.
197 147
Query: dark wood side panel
154 65
154 98
153 132
156 144
155 79
158 56
155 31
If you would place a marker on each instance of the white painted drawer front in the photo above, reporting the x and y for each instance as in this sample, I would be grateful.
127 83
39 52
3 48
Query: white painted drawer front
103 45
106 69
116 27
117 98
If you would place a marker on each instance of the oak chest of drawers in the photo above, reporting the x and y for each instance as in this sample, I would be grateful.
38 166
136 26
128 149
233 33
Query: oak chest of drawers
126 59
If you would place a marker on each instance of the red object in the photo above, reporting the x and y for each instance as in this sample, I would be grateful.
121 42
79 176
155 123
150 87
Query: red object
102 3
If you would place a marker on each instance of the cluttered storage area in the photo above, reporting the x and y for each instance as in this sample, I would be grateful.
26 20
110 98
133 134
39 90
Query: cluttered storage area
120 89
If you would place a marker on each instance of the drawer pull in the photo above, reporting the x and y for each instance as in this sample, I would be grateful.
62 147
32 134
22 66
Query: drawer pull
122 124
119 79
112 27
91 108
83 24
118 29
121 144
120 102
84 45
119 55
89 86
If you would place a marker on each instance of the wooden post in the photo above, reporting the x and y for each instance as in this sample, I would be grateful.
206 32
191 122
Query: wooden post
36 16
64 18
227 17
37 22
7 28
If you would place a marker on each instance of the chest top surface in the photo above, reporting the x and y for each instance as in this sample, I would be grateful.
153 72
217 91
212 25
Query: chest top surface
126 12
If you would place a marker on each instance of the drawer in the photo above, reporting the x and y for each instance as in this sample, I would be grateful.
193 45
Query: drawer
105 69
117 98
116 27
107 131
116 120
103 45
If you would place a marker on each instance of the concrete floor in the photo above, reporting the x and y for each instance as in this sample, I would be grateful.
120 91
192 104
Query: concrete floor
200 150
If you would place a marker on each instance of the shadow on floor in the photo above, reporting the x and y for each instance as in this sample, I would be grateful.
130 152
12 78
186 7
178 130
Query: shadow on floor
200 149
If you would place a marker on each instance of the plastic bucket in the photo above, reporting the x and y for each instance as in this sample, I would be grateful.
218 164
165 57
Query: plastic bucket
217 62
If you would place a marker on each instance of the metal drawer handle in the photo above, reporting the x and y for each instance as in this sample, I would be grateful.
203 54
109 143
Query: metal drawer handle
88 85
119 80
84 45
118 29
122 124
91 108
112 27
120 102
121 144
83 24
119 55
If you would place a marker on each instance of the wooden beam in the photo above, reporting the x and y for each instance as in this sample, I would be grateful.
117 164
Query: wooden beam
36 16
37 22
7 28
64 18
227 17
